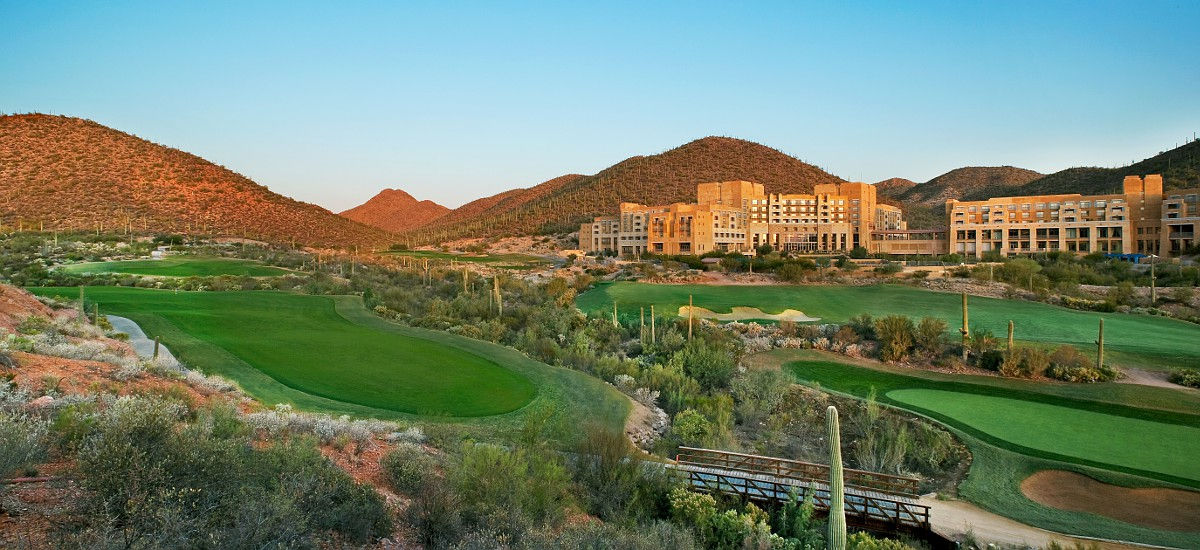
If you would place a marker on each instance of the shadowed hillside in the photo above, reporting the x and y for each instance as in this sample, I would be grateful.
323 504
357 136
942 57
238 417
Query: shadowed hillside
64 172
395 210
1180 168
664 178
962 182
894 187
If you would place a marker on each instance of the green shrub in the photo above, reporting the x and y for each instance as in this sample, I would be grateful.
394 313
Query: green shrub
508 491
406 467
931 336
691 427
22 443
1185 377
896 335
1071 365
617 486
1025 362
864 541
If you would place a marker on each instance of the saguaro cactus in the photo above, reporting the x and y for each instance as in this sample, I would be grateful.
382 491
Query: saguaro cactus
1010 337
837 493
652 336
965 329
1100 345
691 310
156 343
496 291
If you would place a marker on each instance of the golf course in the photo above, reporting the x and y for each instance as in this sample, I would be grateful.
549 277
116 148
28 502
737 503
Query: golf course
1119 434
1133 340
180 266
328 353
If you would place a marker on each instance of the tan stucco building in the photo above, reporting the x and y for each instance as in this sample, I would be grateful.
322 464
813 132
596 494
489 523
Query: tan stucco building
835 218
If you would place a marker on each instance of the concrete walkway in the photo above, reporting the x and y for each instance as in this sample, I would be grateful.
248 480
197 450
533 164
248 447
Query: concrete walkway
142 344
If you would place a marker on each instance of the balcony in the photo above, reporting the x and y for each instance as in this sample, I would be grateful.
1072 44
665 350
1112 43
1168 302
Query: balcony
1182 235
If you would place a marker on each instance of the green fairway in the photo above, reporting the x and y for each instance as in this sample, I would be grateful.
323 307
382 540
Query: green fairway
1132 443
1135 340
1153 443
180 266
304 343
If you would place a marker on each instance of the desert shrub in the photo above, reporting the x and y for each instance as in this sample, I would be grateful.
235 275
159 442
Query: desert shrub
509 491
889 268
1121 294
617 486
931 336
406 466
710 365
759 393
921 274
1071 365
864 325
864 541
991 359
22 442
168 485
896 335
981 341
1185 377
691 427
795 520
435 514
1025 362
718 529
34 324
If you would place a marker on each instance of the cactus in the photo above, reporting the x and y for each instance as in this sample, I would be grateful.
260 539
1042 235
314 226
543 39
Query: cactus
837 495
653 338
691 310
964 330
1010 337
496 291
1100 345
615 325
155 347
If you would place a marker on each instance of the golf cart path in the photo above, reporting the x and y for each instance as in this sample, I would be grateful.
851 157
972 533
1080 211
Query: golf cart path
142 344
953 518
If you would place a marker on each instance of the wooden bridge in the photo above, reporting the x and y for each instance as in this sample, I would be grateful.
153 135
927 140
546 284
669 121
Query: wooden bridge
873 501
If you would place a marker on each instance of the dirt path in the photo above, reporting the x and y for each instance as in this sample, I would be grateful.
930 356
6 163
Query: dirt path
954 518
1148 378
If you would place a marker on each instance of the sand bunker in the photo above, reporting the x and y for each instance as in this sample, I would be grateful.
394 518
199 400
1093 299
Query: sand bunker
1169 509
747 313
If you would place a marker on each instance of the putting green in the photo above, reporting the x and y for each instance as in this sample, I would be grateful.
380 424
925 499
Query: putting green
180 266
1131 443
308 344
1135 340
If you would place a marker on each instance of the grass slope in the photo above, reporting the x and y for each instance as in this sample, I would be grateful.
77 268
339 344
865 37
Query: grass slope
1136 340
511 259
998 466
303 342
180 266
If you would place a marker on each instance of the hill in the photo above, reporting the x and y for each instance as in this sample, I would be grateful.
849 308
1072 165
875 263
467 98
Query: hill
71 173
966 181
560 204
394 210
893 187
1180 168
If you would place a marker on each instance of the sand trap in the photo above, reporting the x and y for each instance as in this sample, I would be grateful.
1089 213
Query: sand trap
1169 509
746 313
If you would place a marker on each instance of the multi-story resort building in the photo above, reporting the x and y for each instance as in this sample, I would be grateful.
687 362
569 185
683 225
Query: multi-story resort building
835 218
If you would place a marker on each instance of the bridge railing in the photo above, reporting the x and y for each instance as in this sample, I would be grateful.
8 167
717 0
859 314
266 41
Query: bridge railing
795 469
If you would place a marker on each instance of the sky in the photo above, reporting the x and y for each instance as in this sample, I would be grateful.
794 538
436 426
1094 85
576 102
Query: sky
451 101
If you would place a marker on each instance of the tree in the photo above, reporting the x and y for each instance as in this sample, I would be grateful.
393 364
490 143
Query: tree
691 427
709 364
859 253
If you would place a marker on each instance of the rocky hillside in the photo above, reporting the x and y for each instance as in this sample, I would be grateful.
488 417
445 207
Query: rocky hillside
966 182
1180 168
562 203
70 173
394 210
894 187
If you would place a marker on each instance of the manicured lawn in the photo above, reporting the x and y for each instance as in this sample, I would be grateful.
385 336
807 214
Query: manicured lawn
1131 443
180 266
302 342
1015 428
1135 340
1153 443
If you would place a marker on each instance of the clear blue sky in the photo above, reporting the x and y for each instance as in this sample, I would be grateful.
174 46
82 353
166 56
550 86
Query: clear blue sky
456 100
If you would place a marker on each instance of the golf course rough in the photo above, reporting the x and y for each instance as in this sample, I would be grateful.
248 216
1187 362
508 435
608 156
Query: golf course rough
304 343
180 266
1138 340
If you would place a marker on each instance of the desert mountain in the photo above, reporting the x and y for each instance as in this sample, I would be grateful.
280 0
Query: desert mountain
894 187
71 173
394 210
967 181
561 203
1180 168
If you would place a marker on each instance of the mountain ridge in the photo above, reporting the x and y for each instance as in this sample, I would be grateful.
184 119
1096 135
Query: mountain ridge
72 173
395 210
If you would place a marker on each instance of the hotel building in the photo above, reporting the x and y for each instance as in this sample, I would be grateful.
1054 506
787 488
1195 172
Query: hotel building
835 218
